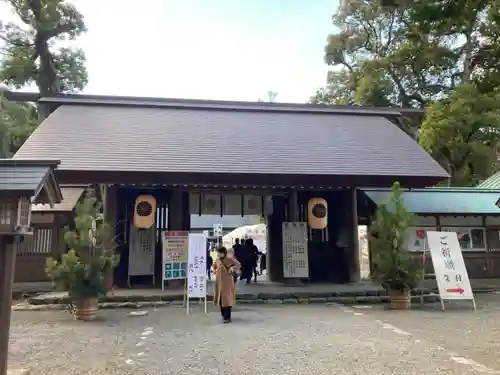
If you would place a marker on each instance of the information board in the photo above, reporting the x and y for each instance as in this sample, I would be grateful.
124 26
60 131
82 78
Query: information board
449 266
141 254
197 266
175 250
295 252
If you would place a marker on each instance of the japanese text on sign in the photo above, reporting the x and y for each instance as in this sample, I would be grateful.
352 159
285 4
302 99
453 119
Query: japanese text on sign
197 266
449 266
175 248
294 247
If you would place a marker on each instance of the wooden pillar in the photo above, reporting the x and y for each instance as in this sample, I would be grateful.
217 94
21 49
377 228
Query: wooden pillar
186 215
353 260
110 214
110 208
8 246
487 260
175 210
274 231
293 206
179 218
124 212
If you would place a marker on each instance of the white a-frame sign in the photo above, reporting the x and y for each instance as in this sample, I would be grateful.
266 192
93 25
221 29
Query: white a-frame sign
449 267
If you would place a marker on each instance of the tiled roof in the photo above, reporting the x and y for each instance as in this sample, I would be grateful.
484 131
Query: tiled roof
186 137
29 178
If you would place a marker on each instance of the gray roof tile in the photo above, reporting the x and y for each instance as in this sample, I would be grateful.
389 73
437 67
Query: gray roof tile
34 178
204 140
21 179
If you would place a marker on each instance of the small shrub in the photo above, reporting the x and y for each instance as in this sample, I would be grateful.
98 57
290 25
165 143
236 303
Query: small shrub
83 271
393 266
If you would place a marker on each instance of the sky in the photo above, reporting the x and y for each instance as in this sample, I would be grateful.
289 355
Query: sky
206 49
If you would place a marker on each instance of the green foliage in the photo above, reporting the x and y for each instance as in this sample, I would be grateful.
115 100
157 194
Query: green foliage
462 133
393 266
410 53
467 29
38 49
440 55
17 122
33 51
379 61
83 271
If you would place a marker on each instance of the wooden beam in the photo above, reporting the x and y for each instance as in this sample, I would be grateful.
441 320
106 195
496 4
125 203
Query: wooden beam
21 96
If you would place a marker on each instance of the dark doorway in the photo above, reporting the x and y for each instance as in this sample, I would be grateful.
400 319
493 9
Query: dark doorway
327 248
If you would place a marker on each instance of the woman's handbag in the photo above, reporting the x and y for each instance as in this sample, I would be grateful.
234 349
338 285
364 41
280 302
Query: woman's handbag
232 270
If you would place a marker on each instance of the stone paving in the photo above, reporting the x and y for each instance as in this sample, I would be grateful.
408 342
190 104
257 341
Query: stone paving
264 339
366 292
263 290
471 335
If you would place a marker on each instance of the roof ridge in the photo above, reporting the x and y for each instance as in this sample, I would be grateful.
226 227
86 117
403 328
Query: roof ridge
124 101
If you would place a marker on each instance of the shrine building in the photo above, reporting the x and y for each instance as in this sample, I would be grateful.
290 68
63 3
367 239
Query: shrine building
284 162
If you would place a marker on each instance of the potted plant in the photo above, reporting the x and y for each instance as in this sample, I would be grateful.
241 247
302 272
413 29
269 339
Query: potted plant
393 265
86 269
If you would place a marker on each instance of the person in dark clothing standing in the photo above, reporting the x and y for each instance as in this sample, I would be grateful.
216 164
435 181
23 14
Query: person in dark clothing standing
249 258
237 249
255 259
210 262
237 254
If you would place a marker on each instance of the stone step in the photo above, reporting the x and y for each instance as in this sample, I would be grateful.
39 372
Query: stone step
363 297
130 304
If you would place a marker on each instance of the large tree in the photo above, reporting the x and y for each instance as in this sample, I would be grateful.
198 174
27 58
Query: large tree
462 128
439 55
38 48
462 132
408 53
376 60
471 29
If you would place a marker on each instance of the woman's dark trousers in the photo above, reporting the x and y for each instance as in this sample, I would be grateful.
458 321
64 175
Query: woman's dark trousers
226 313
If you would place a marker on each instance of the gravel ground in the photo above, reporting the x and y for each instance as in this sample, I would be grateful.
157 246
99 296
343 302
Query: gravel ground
475 335
263 339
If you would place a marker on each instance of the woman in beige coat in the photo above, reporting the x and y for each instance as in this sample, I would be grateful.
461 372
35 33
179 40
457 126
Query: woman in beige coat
225 292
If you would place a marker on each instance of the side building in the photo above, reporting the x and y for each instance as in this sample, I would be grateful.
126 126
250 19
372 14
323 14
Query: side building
471 212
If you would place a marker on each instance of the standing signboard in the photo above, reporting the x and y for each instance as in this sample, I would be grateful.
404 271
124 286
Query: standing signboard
174 255
449 267
218 233
196 286
295 252
141 253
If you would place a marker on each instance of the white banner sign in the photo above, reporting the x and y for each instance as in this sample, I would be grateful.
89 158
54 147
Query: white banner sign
449 266
197 266
295 254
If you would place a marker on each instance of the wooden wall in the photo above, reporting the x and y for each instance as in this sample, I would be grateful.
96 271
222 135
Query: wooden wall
481 252
47 240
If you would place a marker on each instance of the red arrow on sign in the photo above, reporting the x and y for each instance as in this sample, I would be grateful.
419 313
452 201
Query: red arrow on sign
457 290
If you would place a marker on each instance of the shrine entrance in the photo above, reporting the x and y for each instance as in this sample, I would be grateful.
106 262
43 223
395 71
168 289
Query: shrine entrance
287 155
